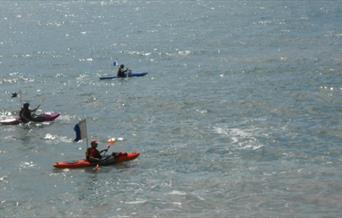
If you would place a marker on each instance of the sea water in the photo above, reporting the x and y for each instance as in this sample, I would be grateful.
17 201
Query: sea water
239 115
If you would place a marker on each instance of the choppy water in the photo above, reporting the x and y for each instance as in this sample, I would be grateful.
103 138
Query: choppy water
239 116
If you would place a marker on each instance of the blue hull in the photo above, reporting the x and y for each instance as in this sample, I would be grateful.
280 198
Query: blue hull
136 74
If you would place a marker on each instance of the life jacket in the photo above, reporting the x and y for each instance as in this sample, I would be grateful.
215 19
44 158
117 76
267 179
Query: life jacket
92 153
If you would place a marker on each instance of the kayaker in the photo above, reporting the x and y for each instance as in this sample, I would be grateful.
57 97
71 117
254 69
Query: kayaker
122 71
92 154
26 113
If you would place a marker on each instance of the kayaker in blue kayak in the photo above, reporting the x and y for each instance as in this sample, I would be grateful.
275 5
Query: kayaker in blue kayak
26 113
123 71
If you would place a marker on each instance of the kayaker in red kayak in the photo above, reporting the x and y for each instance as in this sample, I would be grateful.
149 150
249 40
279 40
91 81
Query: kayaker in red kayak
26 113
92 154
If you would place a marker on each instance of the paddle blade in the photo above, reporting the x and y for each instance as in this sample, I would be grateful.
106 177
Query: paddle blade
111 141
115 63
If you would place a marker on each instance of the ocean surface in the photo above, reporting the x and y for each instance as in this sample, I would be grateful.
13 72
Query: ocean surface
239 116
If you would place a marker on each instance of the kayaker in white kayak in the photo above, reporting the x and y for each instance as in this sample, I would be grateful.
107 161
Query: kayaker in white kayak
26 113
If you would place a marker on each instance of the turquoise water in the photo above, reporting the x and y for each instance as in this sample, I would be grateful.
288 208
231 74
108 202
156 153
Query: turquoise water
239 116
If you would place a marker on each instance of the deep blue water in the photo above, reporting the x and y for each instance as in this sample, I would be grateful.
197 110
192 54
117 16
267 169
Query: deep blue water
239 116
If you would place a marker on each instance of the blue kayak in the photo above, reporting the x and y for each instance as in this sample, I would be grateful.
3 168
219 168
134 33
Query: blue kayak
134 74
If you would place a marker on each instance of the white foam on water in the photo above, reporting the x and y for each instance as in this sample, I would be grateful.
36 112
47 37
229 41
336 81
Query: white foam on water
242 138
136 202
175 192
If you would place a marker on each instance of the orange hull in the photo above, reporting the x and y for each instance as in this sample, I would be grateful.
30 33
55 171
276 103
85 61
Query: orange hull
121 157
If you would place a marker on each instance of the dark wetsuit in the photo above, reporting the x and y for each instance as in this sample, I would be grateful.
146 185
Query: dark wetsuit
25 115
122 72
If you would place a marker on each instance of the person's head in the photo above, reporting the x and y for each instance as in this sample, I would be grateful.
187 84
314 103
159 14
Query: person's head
122 66
93 144
26 105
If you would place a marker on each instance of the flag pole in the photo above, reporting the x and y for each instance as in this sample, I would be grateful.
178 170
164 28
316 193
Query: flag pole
86 130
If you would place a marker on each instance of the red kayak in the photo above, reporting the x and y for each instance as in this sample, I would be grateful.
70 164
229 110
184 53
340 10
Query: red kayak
44 117
115 158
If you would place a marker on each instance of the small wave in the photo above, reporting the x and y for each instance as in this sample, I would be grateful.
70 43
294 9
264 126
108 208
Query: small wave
50 136
139 53
67 117
86 60
27 164
56 24
16 77
10 81
81 77
6 115
177 203
3 179
184 53
202 111
56 138
175 192
176 53
329 88
40 125
245 139
136 202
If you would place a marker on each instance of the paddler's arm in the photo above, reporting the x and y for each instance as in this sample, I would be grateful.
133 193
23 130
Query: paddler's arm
33 110
104 150
94 159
